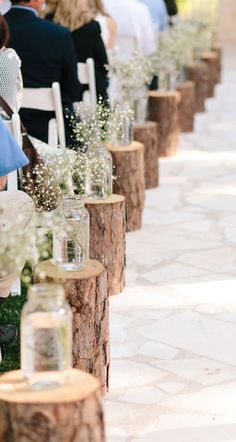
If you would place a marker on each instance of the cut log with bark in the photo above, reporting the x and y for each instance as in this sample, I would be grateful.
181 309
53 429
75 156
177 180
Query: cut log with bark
164 110
187 91
128 164
72 412
86 292
107 238
210 58
147 134
199 74
219 52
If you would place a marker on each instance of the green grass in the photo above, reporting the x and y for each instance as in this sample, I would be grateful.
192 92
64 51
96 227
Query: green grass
10 312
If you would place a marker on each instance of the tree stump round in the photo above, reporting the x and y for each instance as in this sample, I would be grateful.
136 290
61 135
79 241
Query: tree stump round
164 110
107 238
128 164
187 91
86 292
147 134
218 51
72 412
199 74
211 59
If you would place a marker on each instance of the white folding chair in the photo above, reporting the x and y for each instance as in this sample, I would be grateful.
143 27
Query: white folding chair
14 127
48 99
86 75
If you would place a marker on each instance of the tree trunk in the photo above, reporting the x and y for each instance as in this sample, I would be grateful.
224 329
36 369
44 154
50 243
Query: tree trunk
199 74
107 238
147 134
72 412
86 292
164 110
128 163
218 52
210 58
187 91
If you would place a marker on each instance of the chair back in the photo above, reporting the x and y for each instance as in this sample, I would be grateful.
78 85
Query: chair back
86 75
14 127
48 99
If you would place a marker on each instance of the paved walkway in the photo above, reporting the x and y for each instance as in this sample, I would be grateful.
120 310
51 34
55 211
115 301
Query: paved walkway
173 331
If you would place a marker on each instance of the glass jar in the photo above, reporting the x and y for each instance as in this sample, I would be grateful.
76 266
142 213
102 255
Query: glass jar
140 106
46 337
167 81
122 121
71 234
98 179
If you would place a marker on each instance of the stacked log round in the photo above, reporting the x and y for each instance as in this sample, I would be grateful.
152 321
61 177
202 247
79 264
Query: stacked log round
107 238
86 292
147 134
187 91
129 181
211 59
70 412
199 74
164 110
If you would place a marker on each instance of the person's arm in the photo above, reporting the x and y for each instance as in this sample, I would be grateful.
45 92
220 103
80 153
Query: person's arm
70 85
112 29
3 181
11 155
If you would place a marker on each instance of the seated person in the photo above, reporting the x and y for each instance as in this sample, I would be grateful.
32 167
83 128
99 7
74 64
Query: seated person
11 158
86 34
47 55
133 19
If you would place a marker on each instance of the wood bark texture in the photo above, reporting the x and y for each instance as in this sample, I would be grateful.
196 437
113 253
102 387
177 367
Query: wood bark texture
164 110
147 134
71 413
86 292
219 52
210 58
107 238
199 74
128 164
187 91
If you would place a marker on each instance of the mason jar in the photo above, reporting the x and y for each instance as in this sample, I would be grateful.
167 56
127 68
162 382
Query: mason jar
122 120
98 179
140 106
46 337
71 234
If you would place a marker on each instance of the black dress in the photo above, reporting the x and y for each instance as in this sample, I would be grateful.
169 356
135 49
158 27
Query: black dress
47 54
88 43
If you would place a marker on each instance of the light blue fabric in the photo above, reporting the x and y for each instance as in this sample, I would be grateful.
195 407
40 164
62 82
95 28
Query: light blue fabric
158 12
11 155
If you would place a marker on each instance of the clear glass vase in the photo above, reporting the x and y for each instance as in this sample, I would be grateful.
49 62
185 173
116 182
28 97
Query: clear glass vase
46 337
140 106
98 179
71 234
122 135
167 81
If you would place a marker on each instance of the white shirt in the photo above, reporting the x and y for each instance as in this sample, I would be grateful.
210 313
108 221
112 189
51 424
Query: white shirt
133 19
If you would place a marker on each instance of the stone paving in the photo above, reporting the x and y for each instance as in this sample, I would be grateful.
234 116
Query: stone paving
173 330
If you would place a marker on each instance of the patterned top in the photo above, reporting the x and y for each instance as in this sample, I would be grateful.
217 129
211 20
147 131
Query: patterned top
11 87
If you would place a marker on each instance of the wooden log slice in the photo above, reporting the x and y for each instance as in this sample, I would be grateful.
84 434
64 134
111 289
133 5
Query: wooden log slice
147 134
199 74
211 59
187 91
164 110
86 292
128 164
107 238
219 52
72 412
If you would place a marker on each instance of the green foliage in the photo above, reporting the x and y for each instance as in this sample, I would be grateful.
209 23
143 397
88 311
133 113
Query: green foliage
10 311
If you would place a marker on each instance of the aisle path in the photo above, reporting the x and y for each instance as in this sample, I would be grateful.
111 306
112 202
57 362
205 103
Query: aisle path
173 331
